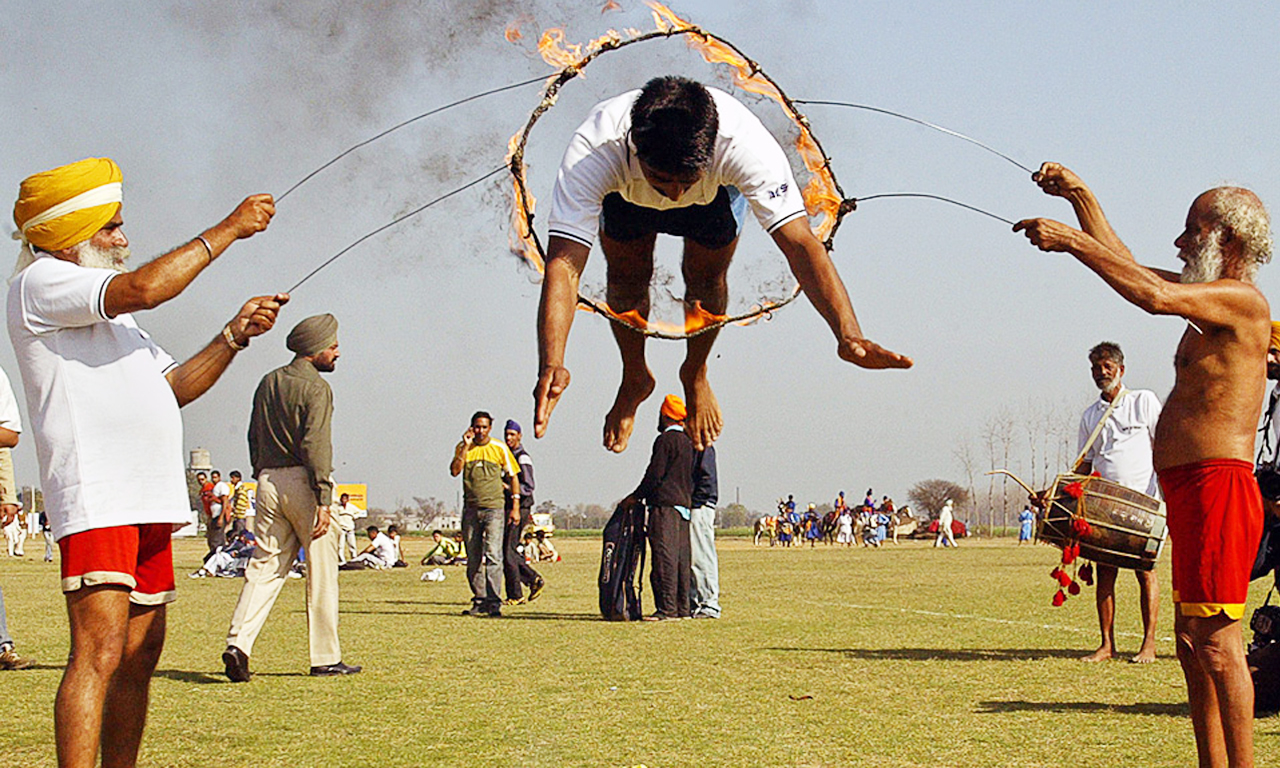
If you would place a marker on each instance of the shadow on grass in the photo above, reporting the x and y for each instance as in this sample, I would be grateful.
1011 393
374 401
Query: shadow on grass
945 654
186 676
1140 708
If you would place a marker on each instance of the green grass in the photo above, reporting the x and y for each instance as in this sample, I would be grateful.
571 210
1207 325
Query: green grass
903 656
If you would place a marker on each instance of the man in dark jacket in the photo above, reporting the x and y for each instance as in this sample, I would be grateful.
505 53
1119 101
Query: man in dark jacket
667 490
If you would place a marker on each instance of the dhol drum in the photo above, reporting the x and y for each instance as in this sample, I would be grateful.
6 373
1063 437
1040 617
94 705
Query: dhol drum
1126 528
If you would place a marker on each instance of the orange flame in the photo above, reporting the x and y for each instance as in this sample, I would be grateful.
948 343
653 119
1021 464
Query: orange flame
513 32
820 196
610 6
521 237
695 319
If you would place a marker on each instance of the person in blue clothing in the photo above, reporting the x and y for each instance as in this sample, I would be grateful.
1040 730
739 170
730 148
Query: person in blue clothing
1027 519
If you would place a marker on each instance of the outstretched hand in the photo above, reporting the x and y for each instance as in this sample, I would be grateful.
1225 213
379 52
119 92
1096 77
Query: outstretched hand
1057 180
1047 234
251 216
552 383
865 353
257 316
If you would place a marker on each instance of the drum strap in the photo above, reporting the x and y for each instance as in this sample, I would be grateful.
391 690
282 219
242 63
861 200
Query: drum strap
1097 430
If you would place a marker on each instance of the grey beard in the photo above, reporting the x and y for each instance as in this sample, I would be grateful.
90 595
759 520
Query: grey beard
93 257
1203 260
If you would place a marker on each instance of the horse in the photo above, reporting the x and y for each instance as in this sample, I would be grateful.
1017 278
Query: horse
766 526
830 526
902 523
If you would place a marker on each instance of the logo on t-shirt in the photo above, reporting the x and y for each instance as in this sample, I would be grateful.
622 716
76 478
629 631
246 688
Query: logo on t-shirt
778 192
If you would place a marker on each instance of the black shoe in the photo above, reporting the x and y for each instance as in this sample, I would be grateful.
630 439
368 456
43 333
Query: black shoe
536 590
237 664
333 670
488 613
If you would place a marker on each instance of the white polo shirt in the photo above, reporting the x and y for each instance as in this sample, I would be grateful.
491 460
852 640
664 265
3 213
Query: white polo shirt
601 159
1122 452
384 549
106 422
10 418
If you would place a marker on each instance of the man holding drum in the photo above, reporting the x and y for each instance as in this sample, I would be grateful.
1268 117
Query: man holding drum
1203 450
1121 453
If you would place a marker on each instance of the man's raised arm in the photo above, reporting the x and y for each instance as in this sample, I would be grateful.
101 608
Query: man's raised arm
818 278
194 377
565 262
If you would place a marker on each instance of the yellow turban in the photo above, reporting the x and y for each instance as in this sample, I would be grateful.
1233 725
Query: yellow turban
673 408
59 208
1275 335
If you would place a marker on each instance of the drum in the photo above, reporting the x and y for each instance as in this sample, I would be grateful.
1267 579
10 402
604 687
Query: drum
1126 528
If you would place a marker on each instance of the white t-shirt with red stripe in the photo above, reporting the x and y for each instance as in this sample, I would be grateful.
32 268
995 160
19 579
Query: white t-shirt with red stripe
106 422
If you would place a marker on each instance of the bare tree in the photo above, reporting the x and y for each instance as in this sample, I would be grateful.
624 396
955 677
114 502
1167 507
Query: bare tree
930 495
969 463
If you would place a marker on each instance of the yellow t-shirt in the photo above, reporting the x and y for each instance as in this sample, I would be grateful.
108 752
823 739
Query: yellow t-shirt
482 470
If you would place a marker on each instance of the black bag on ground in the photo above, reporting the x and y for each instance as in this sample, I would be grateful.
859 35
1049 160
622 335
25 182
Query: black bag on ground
621 559
1268 557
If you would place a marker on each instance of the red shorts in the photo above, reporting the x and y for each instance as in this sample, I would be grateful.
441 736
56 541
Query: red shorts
138 556
1215 523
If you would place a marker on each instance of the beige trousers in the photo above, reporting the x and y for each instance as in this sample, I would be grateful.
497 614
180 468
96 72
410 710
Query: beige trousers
286 516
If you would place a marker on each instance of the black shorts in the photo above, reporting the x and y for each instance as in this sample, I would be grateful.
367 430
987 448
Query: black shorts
714 225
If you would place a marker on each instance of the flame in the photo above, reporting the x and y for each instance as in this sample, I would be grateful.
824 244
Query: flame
610 6
521 237
820 196
513 32
695 319
559 54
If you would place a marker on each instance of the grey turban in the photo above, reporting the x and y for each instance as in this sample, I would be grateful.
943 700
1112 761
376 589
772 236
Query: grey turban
315 334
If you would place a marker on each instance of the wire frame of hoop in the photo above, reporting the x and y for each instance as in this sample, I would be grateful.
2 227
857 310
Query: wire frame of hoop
551 93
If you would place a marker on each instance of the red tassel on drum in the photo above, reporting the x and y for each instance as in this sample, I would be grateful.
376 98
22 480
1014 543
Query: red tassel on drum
1081 526
1073 588
1069 554
1086 573
1074 490
1059 598
1064 578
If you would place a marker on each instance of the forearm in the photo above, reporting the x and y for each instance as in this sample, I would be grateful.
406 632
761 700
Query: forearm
559 300
455 464
816 273
1138 285
193 378
1094 222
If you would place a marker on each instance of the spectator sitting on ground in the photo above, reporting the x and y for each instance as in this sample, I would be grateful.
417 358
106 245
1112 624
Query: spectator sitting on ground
393 533
229 561
443 551
381 552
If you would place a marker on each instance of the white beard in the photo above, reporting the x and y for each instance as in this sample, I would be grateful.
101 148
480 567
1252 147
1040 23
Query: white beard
1203 260
93 257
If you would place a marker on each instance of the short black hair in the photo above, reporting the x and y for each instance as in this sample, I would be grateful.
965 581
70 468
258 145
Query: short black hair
236 473
393 527
674 125
437 532
481 415
1107 350
371 529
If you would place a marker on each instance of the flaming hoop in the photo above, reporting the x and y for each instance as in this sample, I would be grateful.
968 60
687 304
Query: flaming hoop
822 194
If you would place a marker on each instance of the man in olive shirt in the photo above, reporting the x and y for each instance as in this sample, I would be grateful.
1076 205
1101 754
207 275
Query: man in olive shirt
482 462
292 456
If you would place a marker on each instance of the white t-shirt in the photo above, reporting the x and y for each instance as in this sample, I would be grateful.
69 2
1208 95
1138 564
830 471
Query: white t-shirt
10 418
601 159
1122 452
223 488
384 549
106 422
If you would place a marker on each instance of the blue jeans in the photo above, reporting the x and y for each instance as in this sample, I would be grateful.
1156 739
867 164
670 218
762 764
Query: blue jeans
482 531
704 596
5 640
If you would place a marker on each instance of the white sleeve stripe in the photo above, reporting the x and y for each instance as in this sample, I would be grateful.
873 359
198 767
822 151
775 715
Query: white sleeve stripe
102 298
785 219
570 236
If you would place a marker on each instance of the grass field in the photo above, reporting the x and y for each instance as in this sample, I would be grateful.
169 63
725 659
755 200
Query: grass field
904 656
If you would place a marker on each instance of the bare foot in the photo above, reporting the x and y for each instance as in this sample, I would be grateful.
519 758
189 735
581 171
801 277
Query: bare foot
704 421
1102 654
1145 656
621 418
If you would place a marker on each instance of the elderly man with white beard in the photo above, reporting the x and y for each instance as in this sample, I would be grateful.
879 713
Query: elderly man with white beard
103 400
1203 449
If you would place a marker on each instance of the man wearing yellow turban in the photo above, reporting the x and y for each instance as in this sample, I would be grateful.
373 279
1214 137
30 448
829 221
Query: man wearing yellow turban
103 400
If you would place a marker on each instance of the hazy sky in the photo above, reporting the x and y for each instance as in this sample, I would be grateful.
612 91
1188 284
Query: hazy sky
1150 103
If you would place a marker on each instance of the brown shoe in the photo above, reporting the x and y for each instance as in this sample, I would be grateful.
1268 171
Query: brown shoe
11 660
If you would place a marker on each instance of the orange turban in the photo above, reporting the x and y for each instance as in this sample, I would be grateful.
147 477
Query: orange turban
1275 335
59 208
673 408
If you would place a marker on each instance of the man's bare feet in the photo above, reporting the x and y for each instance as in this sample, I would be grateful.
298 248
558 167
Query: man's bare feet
1145 656
546 395
704 421
621 419
1102 654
